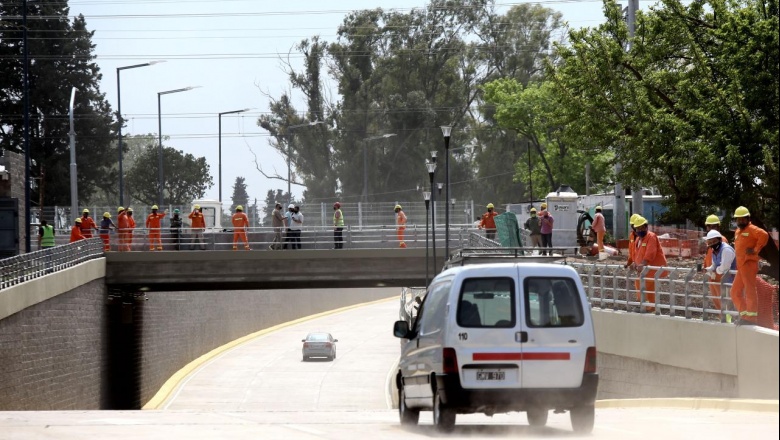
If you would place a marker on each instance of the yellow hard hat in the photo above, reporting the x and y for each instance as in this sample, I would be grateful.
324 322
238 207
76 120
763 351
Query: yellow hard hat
129 209
490 205
397 207
632 218
120 209
239 208
106 215
85 211
712 219
741 212
78 219
196 207
639 221
155 207
533 210
598 208
544 205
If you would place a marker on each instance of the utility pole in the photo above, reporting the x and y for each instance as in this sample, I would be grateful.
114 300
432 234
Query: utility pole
636 193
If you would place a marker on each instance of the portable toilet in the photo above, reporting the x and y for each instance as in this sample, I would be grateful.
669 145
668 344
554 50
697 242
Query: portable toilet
562 205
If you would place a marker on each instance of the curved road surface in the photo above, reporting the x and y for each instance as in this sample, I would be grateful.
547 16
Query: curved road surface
263 389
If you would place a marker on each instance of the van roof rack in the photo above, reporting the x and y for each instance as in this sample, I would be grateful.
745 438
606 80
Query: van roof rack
480 255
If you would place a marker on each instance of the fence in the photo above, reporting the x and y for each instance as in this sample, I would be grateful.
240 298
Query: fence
21 268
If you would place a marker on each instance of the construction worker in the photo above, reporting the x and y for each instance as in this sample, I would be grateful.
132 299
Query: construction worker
130 229
176 223
240 223
46 236
400 223
153 226
488 222
105 229
198 225
599 226
722 260
338 226
124 226
534 226
648 253
75 231
712 223
632 241
749 239
87 224
547 227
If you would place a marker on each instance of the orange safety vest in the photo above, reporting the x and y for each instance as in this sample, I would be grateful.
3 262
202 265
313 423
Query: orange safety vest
240 220
400 219
198 221
750 237
488 222
153 220
650 249
87 225
75 234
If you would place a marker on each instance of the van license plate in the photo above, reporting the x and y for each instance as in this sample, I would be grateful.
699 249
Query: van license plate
491 375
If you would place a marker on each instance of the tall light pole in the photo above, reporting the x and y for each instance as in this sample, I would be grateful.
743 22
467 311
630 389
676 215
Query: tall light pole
431 174
121 122
446 130
365 161
427 198
288 136
74 189
220 147
27 159
160 174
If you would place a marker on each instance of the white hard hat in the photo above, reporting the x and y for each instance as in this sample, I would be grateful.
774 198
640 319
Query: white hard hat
290 206
713 234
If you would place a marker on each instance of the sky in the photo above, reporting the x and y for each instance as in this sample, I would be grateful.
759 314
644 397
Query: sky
232 51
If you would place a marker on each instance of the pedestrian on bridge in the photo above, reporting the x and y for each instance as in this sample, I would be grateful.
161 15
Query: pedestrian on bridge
153 225
176 224
722 260
130 229
75 231
712 223
277 219
87 224
105 229
749 239
198 225
288 234
599 226
240 223
632 241
338 226
488 222
124 226
547 228
400 222
46 236
648 253
296 227
534 226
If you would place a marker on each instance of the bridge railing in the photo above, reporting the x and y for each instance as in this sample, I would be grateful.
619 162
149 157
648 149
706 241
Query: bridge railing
25 267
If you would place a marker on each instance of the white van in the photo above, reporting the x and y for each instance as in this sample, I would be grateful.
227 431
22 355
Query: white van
500 337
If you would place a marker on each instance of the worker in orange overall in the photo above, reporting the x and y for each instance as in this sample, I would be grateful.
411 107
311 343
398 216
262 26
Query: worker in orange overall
648 253
400 223
749 239
75 231
153 226
123 225
488 222
105 229
712 223
198 225
87 224
130 228
240 223
631 241
599 226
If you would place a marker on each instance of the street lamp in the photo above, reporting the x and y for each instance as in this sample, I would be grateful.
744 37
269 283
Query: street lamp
446 130
161 175
220 146
431 172
119 113
288 136
427 197
365 161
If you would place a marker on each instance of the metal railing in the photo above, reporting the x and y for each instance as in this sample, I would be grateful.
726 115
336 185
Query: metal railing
26 267
681 292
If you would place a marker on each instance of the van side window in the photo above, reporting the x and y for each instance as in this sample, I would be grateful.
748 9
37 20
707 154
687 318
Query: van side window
552 302
432 313
487 303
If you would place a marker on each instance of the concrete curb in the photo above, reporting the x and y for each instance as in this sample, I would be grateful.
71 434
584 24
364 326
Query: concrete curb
161 397
694 403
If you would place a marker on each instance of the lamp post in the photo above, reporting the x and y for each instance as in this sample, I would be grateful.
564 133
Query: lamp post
74 189
220 147
160 174
288 137
365 161
427 197
431 173
446 130
121 122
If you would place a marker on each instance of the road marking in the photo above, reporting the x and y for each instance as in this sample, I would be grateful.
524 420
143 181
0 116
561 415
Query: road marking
306 430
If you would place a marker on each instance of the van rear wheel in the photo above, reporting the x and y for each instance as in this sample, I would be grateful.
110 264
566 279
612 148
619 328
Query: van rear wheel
537 416
443 416
409 417
583 418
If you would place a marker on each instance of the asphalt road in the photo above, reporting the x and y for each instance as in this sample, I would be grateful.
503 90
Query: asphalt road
263 389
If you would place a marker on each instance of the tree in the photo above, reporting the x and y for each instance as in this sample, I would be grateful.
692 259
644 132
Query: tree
186 177
240 196
61 57
271 199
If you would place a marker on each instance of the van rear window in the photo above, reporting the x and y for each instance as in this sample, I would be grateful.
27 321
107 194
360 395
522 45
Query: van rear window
552 302
487 302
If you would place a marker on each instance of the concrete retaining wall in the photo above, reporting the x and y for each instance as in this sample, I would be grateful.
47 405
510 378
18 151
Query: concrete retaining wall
657 356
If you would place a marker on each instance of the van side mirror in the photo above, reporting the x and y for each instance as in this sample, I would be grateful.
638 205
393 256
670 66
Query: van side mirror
401 329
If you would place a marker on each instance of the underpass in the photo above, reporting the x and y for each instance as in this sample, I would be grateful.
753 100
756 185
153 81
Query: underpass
261 388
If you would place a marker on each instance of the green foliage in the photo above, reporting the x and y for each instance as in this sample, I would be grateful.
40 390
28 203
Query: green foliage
186 177
61 57
240 196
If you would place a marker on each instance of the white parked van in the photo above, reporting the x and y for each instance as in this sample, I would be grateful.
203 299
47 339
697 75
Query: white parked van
496 338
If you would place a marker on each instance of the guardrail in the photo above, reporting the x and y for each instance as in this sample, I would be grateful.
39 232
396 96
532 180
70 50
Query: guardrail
21 268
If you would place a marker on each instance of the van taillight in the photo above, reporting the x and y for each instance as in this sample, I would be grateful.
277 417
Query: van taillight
590 360
450 360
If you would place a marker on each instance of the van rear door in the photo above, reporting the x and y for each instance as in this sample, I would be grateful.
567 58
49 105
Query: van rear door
559 331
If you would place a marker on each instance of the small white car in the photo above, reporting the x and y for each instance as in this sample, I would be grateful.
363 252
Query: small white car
496 338
319 344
